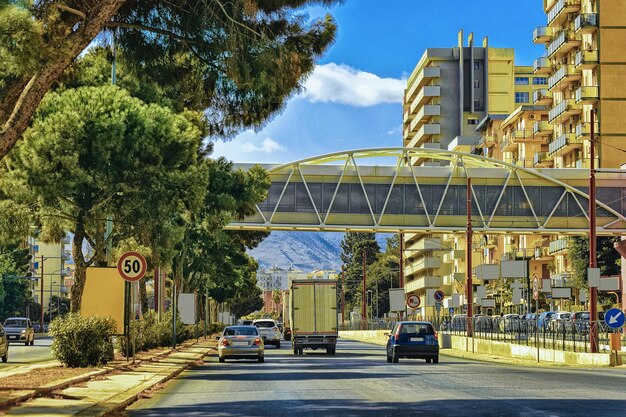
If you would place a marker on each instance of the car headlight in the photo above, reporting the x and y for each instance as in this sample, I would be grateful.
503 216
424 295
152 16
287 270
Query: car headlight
24 331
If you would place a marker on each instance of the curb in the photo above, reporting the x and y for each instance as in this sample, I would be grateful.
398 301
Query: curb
134 397
67 382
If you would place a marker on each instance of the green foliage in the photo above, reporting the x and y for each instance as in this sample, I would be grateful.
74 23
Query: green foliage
149 333
80 342
578 256
14 285
248 298
354 247
95 153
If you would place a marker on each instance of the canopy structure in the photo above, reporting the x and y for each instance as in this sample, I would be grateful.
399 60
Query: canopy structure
348 191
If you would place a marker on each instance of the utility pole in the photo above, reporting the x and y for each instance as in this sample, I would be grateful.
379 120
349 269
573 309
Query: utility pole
343 295
593 262
469 290
41 295
363 306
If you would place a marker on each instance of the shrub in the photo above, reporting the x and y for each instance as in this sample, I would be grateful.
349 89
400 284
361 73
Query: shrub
82 341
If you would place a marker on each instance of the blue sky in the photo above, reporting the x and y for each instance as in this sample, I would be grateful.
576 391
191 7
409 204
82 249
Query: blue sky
353 98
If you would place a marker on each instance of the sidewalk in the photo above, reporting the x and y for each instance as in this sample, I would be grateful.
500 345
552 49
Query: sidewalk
107 390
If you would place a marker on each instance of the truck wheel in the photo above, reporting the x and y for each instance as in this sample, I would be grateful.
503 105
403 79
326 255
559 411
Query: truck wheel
394 358
428 360
295 350
436 359
388 359
301 351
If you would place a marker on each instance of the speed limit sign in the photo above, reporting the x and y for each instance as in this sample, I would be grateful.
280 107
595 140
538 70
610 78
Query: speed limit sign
132 266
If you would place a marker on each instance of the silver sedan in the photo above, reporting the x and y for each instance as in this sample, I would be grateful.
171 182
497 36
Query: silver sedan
240 342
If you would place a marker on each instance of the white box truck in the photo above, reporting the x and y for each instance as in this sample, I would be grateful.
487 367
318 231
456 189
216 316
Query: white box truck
314 323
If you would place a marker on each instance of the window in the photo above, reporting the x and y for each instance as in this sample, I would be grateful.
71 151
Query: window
521 97
476 103
540 81
476 84
521 80
476 65
472 121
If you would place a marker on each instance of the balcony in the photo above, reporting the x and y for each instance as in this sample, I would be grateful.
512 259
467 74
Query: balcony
586 95
424 114
558 245
542 160
507 145
586 23
562 77
564 144
425 75
454 278
525 136
563 110
558 13
427 93
542 129
542 34
486 142
582 130
586 60
427 243
424 133
542 66
563 43
424 282
453 255
542 97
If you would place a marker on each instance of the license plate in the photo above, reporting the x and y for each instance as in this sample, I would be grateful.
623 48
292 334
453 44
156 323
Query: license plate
417 339
240 343
14 337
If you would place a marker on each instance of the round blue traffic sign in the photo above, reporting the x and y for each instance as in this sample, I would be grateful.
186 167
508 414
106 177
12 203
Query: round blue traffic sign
614 318
438 296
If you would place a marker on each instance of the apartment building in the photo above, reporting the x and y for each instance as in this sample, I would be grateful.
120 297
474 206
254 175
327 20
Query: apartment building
49 267
586 68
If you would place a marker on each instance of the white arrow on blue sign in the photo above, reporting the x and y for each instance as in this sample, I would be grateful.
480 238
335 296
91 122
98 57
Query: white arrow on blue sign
614 318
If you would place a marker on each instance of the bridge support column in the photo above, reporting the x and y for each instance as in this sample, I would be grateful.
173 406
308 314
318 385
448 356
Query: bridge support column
469 288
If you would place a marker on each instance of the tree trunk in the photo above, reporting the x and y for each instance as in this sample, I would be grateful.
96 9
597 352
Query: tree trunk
143 296
80 272
17 110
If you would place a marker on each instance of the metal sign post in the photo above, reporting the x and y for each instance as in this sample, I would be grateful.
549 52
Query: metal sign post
132 267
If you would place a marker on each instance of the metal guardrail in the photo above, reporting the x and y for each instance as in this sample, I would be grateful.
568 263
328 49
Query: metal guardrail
565 335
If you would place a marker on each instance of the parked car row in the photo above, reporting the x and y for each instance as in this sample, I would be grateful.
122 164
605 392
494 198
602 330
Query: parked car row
547 321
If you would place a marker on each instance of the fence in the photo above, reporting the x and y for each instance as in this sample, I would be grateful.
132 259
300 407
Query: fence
565 335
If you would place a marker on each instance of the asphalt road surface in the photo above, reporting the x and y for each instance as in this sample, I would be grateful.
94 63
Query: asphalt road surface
20 355
359 382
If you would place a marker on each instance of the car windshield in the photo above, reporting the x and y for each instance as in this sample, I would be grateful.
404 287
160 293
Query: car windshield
15 323
241 331
264 324
416 328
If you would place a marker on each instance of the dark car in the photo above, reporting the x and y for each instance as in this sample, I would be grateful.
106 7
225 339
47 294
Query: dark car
413 340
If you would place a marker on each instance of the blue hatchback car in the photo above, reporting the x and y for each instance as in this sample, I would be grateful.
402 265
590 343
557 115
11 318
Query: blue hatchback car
415 340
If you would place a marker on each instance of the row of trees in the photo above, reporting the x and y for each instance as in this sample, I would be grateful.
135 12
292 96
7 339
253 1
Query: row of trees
137 154
381 270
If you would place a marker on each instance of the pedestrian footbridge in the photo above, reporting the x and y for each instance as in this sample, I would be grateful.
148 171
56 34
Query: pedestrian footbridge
350 191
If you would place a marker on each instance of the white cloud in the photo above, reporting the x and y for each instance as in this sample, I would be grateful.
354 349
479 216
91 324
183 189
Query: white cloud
268 146
395 130
343 84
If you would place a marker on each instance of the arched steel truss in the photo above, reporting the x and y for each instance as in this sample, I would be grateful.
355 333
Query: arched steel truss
337 192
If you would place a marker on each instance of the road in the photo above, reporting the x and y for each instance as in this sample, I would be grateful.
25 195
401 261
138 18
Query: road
20 355
359 382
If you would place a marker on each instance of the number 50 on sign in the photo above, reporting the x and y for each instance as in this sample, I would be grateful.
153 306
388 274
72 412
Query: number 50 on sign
132 266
